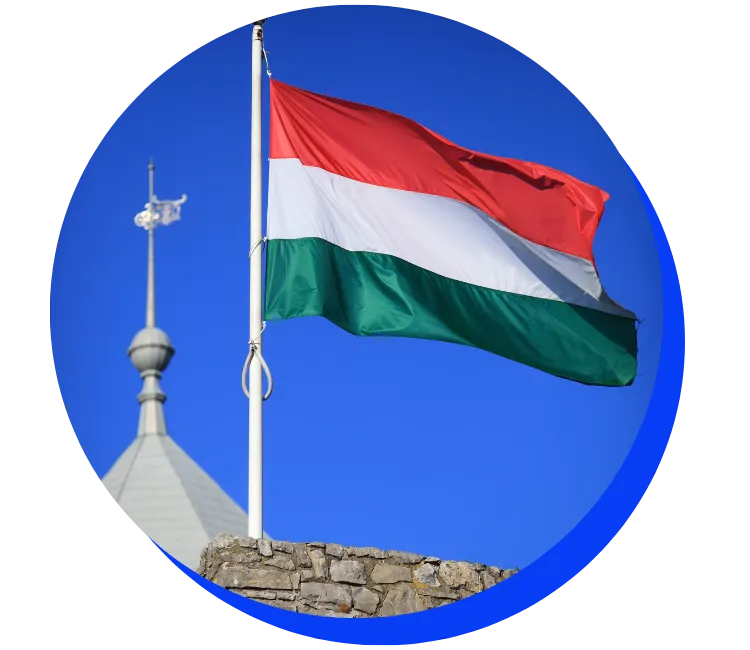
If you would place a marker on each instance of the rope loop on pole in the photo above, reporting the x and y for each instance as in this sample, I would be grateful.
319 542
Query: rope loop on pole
254 351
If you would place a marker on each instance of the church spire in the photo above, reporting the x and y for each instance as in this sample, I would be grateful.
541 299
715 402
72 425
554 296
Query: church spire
151 350
156 483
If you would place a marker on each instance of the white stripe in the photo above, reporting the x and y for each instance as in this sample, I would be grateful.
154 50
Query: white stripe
438 234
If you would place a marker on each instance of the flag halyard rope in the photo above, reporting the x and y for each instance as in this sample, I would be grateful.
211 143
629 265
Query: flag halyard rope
254 350
265 60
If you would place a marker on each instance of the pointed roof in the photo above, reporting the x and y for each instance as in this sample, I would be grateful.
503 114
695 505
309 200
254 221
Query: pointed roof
171 498
162 489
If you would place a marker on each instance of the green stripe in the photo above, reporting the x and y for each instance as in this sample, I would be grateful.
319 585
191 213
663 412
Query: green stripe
370 294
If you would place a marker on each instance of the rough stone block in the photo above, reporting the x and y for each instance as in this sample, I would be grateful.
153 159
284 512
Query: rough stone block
320 566
349 571
390 573
242 577
460 574
365 600
264 546
281 562
284 547
326 594
300 554
427 576
405 558
366 551
401 599
336 550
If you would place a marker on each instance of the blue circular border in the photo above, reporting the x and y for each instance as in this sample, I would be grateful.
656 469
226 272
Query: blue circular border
567 557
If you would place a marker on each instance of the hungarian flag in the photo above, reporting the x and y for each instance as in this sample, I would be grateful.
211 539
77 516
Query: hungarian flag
386 228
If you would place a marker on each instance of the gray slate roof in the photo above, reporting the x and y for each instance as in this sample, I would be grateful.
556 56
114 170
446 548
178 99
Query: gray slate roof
171 498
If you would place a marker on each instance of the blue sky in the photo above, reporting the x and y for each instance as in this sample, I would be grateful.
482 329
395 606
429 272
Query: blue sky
414 445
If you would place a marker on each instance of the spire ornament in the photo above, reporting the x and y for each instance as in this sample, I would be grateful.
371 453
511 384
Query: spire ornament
159 213
151 349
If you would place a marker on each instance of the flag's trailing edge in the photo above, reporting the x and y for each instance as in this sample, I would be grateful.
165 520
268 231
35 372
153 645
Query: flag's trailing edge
385 228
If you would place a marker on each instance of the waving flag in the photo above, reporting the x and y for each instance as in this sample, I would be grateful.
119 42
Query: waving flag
386 228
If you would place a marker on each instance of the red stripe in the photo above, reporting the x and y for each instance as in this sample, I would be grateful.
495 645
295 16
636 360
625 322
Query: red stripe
374 146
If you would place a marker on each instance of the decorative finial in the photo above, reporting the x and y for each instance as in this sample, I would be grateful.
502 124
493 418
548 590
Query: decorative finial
159 213
151 349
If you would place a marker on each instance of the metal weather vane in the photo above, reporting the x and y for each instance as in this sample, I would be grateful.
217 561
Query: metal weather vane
159 213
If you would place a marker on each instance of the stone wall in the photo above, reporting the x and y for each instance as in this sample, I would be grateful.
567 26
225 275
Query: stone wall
342 581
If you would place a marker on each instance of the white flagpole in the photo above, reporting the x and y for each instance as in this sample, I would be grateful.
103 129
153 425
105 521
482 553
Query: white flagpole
255 483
